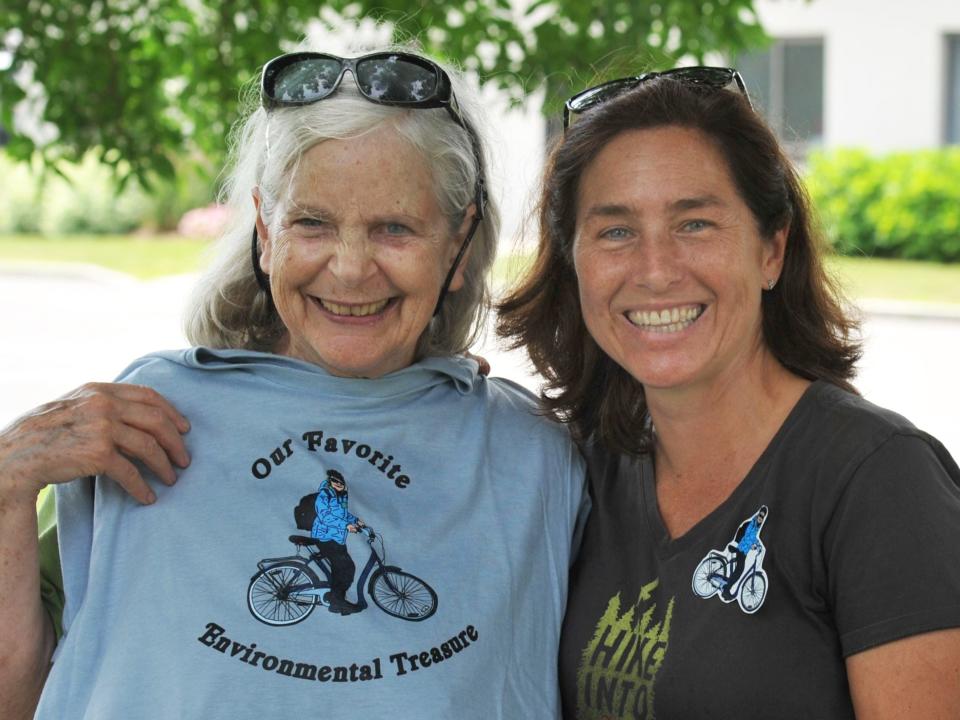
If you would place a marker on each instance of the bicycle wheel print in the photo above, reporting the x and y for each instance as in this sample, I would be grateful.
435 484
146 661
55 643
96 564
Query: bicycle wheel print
704 583
402 595
752 591
272 595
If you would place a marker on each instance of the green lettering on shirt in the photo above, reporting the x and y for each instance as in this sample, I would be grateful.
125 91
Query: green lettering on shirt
619 666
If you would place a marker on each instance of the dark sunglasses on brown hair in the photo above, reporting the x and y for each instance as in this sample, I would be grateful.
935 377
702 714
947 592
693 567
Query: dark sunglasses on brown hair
715 78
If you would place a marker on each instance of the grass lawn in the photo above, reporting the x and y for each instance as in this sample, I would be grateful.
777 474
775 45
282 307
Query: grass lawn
150 257
898 279
141 257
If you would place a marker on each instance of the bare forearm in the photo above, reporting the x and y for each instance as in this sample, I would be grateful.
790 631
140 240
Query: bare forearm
24 624
916 678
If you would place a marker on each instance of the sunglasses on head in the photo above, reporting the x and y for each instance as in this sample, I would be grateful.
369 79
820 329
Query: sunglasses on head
711 78
386 78
397 79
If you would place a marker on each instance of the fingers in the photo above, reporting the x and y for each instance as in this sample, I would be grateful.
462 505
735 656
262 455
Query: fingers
124 473
160 426
146 410
483 367
145 396
143 426
100 428
145 447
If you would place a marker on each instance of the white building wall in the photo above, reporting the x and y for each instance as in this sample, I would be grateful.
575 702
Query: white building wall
885 63
516 143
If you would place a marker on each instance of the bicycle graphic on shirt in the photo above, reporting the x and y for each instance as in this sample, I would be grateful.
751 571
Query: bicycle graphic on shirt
286 590
736 573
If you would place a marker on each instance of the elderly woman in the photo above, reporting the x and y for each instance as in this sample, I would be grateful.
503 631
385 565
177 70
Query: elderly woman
326 392
764 543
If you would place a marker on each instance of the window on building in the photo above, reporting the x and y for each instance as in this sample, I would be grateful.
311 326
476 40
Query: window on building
786 83
953 89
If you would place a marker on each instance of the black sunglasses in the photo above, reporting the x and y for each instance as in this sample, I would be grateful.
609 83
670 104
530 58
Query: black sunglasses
386 78
711 78
398 79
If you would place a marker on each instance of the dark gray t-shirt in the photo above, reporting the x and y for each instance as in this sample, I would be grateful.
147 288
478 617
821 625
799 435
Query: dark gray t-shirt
843 536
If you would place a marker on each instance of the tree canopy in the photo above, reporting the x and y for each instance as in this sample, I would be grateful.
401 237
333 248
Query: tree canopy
140 82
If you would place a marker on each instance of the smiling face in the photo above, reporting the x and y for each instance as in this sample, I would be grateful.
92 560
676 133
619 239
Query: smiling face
358 255
669 260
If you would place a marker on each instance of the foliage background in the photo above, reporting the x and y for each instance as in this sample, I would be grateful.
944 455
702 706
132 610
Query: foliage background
904 205
83 198
147 90
140 82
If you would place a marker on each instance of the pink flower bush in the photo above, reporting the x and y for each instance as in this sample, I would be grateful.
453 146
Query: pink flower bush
205 222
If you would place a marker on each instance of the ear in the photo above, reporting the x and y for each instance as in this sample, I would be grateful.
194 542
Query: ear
266 246
774 250
457 280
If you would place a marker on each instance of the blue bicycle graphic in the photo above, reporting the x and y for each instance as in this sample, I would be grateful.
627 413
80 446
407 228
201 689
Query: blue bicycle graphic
286 590
713 575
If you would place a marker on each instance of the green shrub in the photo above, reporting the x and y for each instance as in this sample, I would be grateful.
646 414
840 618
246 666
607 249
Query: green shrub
904 205
89 201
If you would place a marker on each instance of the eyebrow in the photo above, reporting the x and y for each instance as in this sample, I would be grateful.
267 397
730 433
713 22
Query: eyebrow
691 203
607 211
320 213
296 208
694 203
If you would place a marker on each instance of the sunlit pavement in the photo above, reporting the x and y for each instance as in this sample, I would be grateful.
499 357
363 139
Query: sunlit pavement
63 327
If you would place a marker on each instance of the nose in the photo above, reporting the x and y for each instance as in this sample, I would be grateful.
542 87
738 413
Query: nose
657 262
352 262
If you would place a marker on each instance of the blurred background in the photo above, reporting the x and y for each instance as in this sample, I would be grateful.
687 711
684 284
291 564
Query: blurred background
115 114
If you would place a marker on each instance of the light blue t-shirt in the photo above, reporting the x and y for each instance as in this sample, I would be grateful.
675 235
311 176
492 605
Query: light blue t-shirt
199 606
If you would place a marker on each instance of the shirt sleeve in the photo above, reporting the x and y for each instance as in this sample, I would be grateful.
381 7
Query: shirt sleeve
891 545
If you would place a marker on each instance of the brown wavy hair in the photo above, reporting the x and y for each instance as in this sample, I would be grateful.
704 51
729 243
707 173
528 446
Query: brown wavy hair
804 325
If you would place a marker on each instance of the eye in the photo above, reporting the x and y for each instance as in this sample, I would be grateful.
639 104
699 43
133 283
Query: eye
695 225
310 222
394 228
616 233
393 232
309 225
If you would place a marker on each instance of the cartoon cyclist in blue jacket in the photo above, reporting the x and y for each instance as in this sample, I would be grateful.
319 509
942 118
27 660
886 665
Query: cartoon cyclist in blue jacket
330 529
746 537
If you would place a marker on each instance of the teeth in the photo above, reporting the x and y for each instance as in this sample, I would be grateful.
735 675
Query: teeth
667 320
354 310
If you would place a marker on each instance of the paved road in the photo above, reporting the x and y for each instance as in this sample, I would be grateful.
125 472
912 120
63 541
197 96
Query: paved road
60 329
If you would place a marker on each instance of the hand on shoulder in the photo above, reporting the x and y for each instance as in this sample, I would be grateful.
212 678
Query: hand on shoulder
99 428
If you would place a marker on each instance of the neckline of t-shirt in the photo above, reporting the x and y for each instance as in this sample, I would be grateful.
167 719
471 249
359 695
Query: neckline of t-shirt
666 546
306 377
